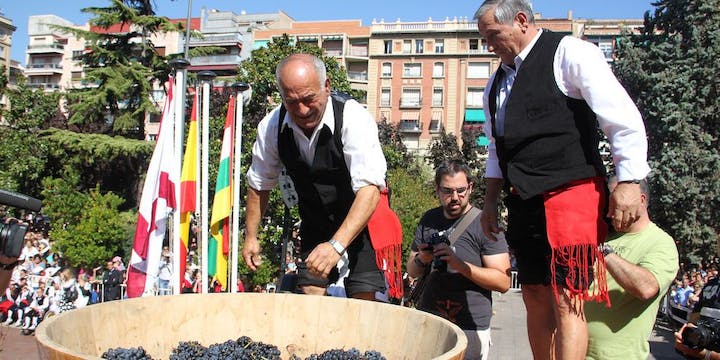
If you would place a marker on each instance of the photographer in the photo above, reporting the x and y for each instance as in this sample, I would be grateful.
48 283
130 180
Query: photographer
462 266
700 337
12 233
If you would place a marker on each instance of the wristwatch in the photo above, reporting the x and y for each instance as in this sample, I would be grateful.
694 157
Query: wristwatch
337 246
633 181
606 249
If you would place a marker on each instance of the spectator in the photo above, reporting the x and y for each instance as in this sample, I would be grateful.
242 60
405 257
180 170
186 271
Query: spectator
682 294
112 278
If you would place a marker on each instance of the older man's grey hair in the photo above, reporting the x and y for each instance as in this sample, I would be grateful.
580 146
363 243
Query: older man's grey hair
313 60
505 10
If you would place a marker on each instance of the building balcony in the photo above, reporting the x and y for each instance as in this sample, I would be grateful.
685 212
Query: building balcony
46 48
358 52
43 69
410 126
46 86
215 60
424 26
410 104
333 52
358 76
216 40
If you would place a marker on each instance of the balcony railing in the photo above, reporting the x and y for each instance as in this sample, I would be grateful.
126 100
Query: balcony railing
410 126
358 52
333 52
215 60
424 26
358 75
44 66
43 85
410 103
211 39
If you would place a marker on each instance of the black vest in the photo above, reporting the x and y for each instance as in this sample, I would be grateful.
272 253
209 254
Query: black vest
550 139
324 189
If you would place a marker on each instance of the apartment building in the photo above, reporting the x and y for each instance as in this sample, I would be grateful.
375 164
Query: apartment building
6 30
234 34
6 64
346 40
604 32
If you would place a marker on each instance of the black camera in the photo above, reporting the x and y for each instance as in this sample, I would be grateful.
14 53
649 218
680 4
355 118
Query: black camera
12 231
705 336
435 239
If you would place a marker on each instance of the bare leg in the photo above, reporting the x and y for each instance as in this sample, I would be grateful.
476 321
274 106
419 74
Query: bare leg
541 324
572 335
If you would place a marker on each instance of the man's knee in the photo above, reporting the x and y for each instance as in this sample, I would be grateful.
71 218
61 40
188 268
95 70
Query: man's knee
537 295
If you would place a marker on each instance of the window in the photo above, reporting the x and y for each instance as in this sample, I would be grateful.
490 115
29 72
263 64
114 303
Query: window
407 46
385 97
474 47
439 46
76 54
419 46
76 75
607 48
437 98
386 70
475 97
410 97
412 70
388 46
478 70
439 69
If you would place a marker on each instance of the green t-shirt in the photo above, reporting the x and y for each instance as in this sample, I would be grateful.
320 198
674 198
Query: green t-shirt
622 331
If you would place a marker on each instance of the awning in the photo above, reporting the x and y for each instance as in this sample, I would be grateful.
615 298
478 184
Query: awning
475 115
483 141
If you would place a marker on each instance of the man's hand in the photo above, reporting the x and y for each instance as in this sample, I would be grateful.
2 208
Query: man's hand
446 253
624 207
251 253
684 349
489 222
322 260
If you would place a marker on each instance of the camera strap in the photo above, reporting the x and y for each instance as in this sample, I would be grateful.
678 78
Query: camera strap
454 232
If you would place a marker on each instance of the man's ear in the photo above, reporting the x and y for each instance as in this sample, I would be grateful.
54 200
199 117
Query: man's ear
522 20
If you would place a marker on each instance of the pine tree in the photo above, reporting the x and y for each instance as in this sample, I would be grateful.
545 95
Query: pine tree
671 70
123 64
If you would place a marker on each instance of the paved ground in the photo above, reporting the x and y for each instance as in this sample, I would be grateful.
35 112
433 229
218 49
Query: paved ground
509 335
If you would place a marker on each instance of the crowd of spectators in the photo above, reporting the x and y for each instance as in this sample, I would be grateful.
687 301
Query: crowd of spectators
686 290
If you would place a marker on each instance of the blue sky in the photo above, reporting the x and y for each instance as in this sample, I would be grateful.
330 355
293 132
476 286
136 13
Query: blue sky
366 10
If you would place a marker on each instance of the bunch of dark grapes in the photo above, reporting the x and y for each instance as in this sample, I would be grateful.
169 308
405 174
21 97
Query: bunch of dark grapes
126 354
187 350
340 354
243 348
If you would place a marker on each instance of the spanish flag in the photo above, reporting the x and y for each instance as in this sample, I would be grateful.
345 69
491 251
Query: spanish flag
188 187
219 244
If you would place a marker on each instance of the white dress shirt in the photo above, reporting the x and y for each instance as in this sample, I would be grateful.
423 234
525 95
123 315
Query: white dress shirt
581 72
361 147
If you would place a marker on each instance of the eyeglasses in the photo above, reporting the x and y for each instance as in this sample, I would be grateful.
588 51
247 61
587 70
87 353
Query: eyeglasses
449 191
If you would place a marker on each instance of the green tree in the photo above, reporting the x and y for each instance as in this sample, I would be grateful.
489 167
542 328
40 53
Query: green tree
671 70
412 195
92 230
23 156
123 68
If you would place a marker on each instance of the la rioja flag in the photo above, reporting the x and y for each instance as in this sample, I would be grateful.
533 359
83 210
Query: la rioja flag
156 203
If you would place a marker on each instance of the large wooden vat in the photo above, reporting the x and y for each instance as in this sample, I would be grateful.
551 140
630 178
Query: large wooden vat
299 324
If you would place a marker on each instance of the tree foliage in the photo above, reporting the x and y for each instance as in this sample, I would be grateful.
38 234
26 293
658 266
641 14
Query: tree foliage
123 68
671 70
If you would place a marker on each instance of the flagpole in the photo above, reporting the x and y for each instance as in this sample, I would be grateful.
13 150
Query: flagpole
239 88
180 66
206 78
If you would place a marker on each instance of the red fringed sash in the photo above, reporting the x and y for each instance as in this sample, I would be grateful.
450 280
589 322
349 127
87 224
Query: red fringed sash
575 226
386 238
